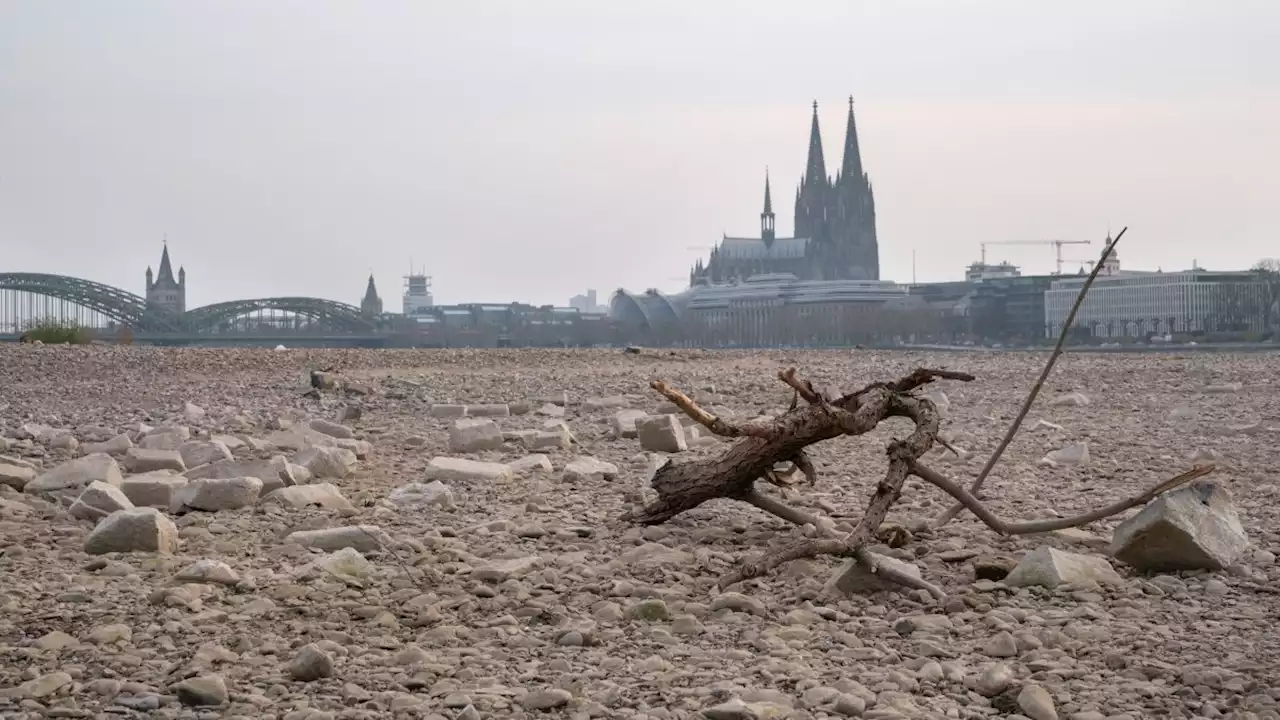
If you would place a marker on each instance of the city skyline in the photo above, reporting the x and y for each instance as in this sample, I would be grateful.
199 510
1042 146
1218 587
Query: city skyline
567 151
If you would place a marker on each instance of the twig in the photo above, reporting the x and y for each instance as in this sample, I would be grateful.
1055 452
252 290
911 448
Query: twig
706 419
954 510
1003 527
868 561
392 553
803 388
782 510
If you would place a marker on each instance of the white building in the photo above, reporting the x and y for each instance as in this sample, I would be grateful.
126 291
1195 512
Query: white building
1137 304
977 272
587 303
417 295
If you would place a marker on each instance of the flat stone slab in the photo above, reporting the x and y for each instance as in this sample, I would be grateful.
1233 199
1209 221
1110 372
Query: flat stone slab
453 469
1191 528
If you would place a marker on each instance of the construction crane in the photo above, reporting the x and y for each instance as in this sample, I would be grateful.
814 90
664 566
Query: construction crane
1057 247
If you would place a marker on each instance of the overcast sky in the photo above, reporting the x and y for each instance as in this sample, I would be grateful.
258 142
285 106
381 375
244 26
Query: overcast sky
529 150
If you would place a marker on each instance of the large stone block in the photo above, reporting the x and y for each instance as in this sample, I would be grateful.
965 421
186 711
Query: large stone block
852 578
327 462
213 494
117 445
332 429
489 410
203 452
136 530
141 460
15 476
99 500
445 410
324 495
75 475
471 435
274 473
363 538
153 489
1049 567
661 433
1191 528
448 469
624 422
589 470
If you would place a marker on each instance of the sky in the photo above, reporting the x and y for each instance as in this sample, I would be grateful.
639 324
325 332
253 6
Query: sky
527 151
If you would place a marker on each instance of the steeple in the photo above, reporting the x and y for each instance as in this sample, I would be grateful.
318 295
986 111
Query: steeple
371 305
370 290
166 269
851 170
766 218
816 167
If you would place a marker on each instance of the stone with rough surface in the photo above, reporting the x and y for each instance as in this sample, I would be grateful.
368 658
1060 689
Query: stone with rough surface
153 489
327 462
76 474
15 476
323 495
98 501
589 469
1049 567
203 452
141 460
1191 528
473 435
450 469
428 494
853 578
362 538
214 494
661 433
136 530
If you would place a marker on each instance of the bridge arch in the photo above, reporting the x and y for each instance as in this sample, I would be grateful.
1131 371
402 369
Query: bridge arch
119 305
333 315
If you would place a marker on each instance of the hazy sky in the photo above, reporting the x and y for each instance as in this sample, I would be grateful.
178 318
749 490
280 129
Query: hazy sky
528 150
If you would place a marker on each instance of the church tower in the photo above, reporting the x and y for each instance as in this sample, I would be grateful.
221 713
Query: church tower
371 305
165 292
854 212
767 230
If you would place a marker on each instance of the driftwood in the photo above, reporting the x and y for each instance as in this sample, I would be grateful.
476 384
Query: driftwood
765 444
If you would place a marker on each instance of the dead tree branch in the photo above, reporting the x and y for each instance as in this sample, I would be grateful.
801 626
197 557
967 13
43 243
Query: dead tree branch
954 510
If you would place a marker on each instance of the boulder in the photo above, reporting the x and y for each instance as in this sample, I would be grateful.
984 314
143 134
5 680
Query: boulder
450 469
214 494
192 413
361 448
99 500
203 452
1191 528
155 489
118 445
362 538
14 475
324 495
420 495
141 460
661 433
327 462
532 464
623 423
75 475
274 473
1049 567
136 530
333 429
473 435
589 470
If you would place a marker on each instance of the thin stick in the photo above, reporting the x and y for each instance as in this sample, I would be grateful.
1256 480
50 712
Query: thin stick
706 419
954 510
780 509
1003 527
868 561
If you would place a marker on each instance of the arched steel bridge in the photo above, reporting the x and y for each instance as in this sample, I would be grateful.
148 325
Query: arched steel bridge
132 311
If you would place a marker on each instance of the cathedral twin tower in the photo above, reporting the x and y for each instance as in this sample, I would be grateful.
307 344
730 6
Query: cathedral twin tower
835 225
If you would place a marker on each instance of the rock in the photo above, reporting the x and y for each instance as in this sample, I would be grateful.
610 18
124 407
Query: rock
852 578
44 686
490 410
347 565
1191 528
203 452
1223 388
192 413
993 568
449 469
274 473
606 403
332 429
551 410
15 476
136 530
75 475
203 691
420 495
738 603
546 439
589 470
546 699
362 538
1072 399
169 439
1077 454
939 400
98 501
118 445
155 489
532 465
623 423
311 663
994 680
448 411
327 462
473 435
140 460
661 433
499 570
1036 703
653 610
324 495
214 494
1001 645
1049 567
208 571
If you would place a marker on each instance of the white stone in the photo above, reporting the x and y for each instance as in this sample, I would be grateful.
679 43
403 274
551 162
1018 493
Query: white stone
940 400
499 570
155 489
117 445
203 452
1071 399
1191 528
440 410
99 500
589 470
429 494
363 538
15 476
473 435
1223 388
214 494
1049 567
623 423
661 433
332 429
546 440
141 460
532 464
853 578
75 475
324 495
193 413
449 469
208 571
605 403
327 462
1076 454
490 410
169 439
136 530
551 410
347 565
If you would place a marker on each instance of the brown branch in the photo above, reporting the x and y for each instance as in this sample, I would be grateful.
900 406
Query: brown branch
954 510
803 388
868 561
706 419
780 509
967 500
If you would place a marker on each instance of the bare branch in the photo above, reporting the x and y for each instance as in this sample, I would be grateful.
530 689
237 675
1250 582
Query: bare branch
780 509
868 561
954 510
803 388
1003 527
706 419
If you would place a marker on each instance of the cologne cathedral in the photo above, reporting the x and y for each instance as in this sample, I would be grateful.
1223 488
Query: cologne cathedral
835 226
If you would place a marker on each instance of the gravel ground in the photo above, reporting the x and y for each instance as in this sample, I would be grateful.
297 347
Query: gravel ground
528 598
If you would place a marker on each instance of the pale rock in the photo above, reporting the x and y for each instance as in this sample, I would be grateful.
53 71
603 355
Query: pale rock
1071 399
489 410
136 530
473 435
1076 454
347 565
623 423
203 691
498 571
661 433
99 500
65 441
298 439
141 460
1036 703
169 439
208 571
1049 567
1223 388
549 699
738 603
559 439
448 411
327 462
532 465
1076 536
155 489
202 452
361 448
362 538
332 429
15 476
311 663
420 495
214 494
994 680
117 445
232 442
44 685
551 410
1254 428
448 469
1182 412
323 495
606 403
853 578
1191 528
193 413
274 473
77 474
1204 456
939 400
589 470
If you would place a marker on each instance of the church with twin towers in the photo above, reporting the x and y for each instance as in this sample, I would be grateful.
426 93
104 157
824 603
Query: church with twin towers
835 225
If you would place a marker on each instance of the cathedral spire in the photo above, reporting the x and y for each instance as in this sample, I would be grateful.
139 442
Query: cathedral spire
166 268
816 168
851 171
767 217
